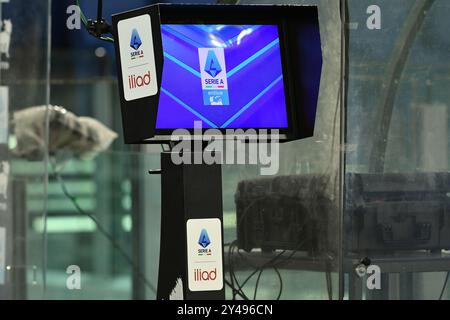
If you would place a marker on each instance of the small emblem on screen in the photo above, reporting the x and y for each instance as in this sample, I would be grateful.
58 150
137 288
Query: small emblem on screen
212 66
214 76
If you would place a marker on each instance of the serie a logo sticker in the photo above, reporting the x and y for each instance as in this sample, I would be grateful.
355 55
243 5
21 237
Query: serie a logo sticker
135 44
204 243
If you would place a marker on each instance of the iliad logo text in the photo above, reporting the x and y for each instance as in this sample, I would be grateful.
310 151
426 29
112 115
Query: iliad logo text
205 275
139 81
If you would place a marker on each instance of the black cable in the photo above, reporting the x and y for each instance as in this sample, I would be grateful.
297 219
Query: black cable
445 286
83 17
288 258
239 286
231 272
103 231
230 265
270 263
281 282
261 269
273 262
99 10
329 285
233 275
230 262
265 265
228 283
257 268
279 263
99 27
257 283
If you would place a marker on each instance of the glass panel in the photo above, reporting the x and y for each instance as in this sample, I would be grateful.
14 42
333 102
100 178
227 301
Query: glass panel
24 83
115 188
99 214
397 168
100 211
305 189
103 213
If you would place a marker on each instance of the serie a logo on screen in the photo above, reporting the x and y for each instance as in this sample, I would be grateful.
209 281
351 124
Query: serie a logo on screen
135 44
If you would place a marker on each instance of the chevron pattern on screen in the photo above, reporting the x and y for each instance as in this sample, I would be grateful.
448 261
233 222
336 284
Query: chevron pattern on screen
252 69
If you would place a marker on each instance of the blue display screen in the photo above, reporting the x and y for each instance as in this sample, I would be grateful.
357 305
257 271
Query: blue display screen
227 76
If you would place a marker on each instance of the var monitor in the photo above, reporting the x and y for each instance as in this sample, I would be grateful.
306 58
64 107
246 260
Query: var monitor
220 66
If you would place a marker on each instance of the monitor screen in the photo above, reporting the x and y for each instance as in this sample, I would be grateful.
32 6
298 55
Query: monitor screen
227 76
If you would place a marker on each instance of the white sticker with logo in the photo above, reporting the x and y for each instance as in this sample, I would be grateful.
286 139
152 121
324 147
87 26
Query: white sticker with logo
137 58
204 246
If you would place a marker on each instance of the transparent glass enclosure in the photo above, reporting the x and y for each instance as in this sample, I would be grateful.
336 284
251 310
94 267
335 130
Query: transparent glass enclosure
24 83
311 167
370 190
397 151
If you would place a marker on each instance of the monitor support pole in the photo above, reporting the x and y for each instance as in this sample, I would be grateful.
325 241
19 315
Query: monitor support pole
191 250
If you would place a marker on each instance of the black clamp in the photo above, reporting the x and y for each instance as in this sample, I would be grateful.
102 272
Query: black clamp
98 28
361 267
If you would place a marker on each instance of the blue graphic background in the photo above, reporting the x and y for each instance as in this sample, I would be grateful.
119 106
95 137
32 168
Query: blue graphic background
254 71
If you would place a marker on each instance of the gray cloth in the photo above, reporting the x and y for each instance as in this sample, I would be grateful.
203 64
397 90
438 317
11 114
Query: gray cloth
81 136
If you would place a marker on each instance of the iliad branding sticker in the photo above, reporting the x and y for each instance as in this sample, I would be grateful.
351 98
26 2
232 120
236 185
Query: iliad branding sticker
136 81
204 246
137 57
214 76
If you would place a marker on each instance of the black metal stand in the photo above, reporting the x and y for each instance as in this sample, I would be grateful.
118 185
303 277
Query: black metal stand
191 250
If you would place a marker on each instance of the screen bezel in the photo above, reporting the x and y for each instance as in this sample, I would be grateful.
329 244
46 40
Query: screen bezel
301 54
282 130
213 17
